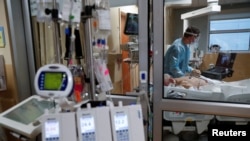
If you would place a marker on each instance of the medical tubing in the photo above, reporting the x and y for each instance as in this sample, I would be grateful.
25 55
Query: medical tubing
72 45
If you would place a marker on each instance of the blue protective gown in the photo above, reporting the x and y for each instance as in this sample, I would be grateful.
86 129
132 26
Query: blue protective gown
176 59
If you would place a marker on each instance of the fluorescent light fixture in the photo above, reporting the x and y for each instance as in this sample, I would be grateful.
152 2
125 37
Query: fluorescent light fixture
178 2
203 11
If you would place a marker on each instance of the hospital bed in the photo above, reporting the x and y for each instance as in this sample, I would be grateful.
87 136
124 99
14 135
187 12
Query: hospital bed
238 91
179 119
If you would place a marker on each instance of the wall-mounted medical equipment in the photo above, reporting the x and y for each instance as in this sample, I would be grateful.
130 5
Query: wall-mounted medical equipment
131 29
131 25
133 52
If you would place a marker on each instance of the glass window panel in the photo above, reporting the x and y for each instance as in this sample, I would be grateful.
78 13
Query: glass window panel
234 24
231 41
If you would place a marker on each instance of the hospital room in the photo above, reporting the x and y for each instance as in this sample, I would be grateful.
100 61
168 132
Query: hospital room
124 70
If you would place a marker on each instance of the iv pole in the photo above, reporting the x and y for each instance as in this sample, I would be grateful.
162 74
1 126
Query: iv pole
54 14
89 50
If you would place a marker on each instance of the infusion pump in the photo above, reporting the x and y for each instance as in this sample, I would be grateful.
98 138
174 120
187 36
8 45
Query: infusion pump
109 123
41 115
117 123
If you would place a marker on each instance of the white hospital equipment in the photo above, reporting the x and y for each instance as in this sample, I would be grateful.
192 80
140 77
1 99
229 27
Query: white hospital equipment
54 117
53 80
127 122
59 126
238 91
94 124
23 118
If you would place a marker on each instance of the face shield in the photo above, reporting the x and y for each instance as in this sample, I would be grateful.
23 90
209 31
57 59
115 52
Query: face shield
195 42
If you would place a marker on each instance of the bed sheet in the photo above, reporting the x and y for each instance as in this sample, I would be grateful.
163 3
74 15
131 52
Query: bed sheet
237 91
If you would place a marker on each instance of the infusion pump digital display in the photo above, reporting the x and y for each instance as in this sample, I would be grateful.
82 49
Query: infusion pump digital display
52 129
121 126
88 127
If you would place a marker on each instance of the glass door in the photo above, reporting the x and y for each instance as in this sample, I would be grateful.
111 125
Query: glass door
189 97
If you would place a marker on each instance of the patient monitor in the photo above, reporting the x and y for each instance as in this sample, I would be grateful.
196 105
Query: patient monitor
53 80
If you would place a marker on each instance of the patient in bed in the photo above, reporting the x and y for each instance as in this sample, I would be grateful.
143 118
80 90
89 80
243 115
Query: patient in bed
185 81
201 81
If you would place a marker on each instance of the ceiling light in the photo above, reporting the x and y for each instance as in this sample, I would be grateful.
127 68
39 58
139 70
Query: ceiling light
212 7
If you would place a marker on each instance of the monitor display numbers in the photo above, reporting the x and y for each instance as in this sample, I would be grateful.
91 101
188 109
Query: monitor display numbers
87 123
121 121
52 129
121 126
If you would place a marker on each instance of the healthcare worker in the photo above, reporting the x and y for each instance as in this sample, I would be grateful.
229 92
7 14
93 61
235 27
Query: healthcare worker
176 59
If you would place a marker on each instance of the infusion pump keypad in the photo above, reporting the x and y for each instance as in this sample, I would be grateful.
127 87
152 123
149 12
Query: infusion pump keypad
122 135
90 136
53 139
